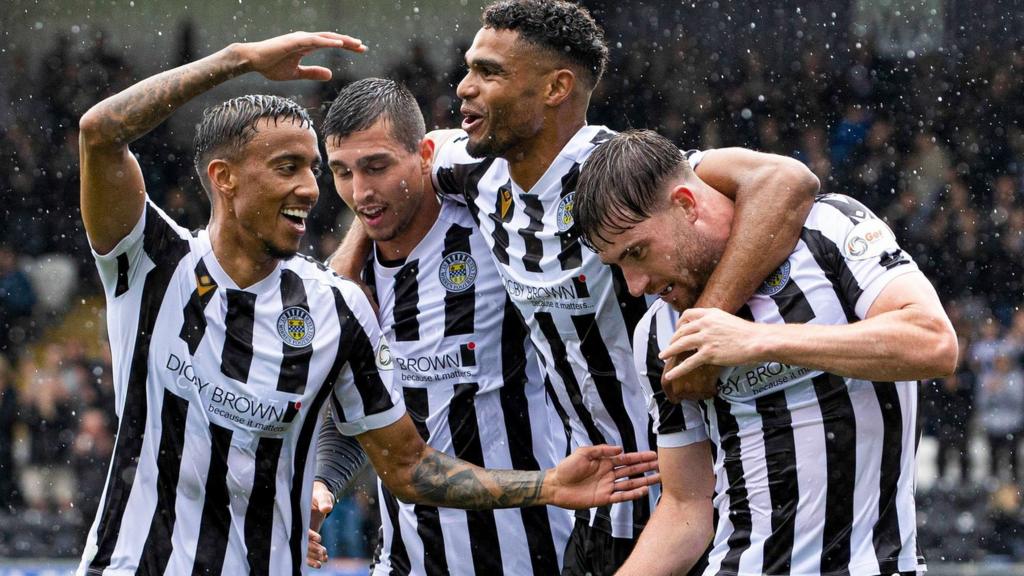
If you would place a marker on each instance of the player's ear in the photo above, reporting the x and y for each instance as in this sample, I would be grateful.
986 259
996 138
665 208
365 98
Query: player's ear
560 86
426 155
682 196
222 177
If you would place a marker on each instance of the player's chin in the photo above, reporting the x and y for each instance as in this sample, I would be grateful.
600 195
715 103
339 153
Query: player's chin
282 250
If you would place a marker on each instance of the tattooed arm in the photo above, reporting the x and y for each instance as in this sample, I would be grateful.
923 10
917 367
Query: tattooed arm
591 476
113 190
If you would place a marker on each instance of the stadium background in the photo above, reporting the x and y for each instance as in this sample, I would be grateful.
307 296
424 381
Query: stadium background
914 106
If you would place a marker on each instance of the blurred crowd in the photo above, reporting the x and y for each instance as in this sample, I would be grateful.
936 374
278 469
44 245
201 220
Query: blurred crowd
932 143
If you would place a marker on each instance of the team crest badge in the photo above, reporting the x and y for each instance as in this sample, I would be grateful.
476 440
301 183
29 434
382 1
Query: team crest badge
295 327
457 272
564 215
776 282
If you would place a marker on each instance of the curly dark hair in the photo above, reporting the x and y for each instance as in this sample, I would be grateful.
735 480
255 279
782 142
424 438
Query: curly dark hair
565 29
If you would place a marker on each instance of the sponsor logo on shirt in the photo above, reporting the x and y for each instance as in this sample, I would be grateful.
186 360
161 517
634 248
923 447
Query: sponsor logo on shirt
459 363
382 356
572 294
233 403
753 380
869 239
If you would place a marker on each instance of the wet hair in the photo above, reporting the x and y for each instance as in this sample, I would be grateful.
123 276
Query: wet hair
360 104
622 183
227 127
563 28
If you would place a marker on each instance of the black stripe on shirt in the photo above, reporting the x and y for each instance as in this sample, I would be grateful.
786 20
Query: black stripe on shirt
736 489
564 370
163 246
193 327
398 556
504 210
670 414
304 446
570 256
483 532
407 300
833 264
783 489
840 428
122 274
236 358
563 416
610 390
259 516
355 347
793 305
459 307
887 540
632 307
534 253
215 524
159 542
428 522
852 209
295 361
515 408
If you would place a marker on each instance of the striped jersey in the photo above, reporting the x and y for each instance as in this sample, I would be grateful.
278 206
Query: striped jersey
219 391
579 311
815 472
474 390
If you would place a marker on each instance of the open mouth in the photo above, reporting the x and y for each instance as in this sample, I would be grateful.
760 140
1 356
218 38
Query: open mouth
372 215
470 120
296 215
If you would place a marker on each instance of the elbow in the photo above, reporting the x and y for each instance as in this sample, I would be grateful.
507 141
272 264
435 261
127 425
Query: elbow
803 183
947 351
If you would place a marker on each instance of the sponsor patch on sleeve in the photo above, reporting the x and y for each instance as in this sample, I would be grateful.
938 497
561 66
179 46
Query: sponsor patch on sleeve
869 239
382 355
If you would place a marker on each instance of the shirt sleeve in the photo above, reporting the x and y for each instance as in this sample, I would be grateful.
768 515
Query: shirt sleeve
450 168
338 457
856 248
675 424
155 234
365 397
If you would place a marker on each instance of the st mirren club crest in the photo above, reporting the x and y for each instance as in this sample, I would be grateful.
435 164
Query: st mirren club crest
457 272
774 283
564 215
295 327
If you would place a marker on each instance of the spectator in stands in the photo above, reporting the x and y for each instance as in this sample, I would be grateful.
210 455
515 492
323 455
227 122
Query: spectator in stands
16 299
1001 409
47 411
952 404
9 492
91 457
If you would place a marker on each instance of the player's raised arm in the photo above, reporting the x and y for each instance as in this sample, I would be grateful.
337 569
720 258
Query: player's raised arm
113 190
591 476
766 188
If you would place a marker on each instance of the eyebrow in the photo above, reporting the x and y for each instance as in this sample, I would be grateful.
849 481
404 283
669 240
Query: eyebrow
486 63
293 157
362 161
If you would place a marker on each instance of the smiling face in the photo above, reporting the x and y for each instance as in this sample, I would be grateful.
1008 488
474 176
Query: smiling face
502 93
275 176
383 183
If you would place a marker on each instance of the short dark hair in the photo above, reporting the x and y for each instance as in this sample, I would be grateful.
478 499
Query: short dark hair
360 104
229 126
563 28
622 182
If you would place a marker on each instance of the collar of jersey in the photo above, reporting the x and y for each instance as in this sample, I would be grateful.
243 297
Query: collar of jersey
221 277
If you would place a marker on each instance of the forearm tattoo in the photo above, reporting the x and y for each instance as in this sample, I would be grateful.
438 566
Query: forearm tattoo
132 113
442 480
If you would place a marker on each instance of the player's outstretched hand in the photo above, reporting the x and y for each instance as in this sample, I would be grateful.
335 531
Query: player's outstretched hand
280 58
322 503
601 475
316 553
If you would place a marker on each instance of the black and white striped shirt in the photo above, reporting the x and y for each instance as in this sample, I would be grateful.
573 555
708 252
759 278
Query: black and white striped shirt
474 390
815 472
579 311
219 391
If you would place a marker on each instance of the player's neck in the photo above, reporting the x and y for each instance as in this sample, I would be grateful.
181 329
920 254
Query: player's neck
528 164
244 260
399 247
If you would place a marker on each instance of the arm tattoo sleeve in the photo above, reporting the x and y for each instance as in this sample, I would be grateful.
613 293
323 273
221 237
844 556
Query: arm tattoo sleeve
442 480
